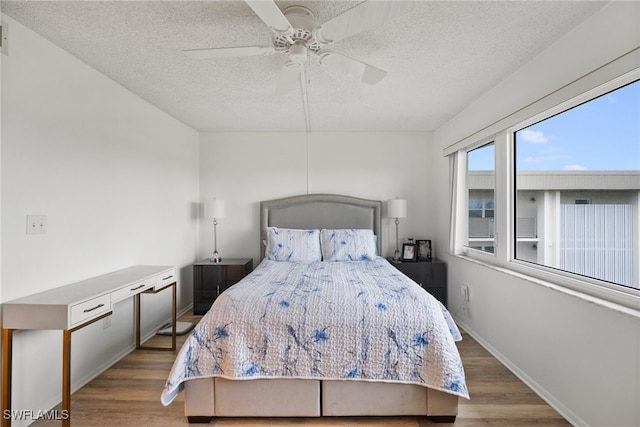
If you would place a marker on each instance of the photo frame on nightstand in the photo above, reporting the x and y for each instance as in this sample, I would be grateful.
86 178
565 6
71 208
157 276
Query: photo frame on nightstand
409 252
424 250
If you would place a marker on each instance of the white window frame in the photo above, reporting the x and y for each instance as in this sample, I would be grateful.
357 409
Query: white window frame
602 292
466 249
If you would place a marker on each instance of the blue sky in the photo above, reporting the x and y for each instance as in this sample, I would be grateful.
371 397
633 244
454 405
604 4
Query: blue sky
603 134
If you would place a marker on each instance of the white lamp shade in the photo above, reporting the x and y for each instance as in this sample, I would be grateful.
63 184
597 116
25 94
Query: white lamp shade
397 208
214 208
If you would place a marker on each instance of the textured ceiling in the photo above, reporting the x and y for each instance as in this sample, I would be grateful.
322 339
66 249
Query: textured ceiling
439 57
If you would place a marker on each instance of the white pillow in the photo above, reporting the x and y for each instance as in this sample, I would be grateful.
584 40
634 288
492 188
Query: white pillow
348 245
287 244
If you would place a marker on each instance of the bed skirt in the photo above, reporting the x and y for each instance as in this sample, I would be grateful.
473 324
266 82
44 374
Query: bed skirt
217 397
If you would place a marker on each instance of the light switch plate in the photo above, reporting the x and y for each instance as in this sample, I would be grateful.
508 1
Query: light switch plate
4 38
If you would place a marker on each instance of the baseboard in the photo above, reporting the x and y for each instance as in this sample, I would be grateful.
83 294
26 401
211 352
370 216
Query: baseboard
544 394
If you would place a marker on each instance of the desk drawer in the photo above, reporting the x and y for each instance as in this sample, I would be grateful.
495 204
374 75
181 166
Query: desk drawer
131 290
166 278
89 309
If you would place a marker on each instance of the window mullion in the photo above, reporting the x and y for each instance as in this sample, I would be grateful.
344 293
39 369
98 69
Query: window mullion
502 200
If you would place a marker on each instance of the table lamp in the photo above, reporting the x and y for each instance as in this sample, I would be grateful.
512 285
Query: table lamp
397 208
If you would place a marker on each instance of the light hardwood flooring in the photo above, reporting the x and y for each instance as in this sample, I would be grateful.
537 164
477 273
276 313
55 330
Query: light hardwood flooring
128 394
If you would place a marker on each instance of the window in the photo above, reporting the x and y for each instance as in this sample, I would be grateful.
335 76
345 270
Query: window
556 196
577 185
480 197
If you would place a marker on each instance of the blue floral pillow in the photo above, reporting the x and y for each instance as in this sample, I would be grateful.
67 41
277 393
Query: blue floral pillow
287 244
348 245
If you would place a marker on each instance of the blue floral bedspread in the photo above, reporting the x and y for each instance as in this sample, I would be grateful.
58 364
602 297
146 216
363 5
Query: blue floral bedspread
360 320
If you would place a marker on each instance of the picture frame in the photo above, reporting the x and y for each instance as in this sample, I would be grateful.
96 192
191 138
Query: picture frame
409 252
425 250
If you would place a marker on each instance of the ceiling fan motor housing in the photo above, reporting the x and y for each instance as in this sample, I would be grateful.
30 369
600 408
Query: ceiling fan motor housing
303 37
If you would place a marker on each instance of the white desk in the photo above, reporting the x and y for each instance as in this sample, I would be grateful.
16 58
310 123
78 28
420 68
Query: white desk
69 308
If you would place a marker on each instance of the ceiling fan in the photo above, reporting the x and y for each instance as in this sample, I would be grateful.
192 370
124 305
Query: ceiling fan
298 37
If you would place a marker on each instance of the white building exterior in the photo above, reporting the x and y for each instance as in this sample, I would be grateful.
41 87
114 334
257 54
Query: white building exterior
586 222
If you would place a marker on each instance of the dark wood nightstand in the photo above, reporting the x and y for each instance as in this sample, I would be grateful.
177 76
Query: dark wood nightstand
432 276
211 279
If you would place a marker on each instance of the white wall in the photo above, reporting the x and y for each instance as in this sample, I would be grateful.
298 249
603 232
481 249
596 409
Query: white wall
1 57
246 168
118 181
582 357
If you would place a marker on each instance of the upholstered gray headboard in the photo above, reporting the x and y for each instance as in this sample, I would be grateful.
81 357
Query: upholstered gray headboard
320 211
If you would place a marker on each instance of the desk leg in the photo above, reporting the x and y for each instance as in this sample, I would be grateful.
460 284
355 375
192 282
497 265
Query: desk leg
136 309
66 378
7 353
173 318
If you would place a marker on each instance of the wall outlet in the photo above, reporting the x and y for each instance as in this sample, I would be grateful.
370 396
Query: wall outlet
36 224
464 291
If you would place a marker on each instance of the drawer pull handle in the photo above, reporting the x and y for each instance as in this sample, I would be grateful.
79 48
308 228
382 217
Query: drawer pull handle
137 287
93 308
168 277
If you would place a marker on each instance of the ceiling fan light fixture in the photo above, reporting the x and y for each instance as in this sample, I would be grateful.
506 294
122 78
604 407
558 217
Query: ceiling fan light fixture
298 52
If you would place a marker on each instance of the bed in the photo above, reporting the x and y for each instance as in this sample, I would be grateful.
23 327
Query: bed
332 328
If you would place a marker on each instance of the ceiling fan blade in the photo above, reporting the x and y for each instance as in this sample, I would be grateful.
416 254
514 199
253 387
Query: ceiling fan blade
366 15
271 15
229 52
343 64
289 78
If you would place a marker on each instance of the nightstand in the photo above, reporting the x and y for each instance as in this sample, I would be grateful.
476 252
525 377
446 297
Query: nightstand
211 279
432 276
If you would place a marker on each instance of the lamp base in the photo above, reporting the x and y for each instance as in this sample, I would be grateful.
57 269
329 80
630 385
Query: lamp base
396 255
216 258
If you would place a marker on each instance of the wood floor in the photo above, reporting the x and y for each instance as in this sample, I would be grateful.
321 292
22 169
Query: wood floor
128 394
